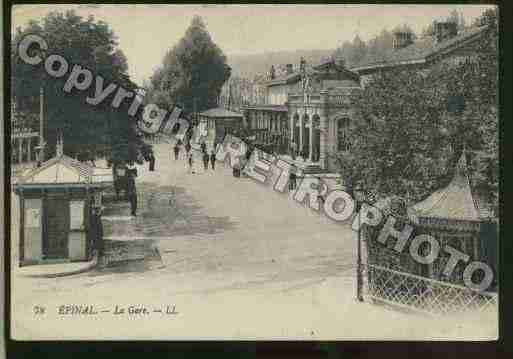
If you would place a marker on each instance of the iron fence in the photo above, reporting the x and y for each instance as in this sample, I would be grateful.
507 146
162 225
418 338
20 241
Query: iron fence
421 294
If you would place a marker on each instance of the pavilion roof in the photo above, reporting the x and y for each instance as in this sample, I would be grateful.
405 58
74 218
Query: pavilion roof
65 170
454 202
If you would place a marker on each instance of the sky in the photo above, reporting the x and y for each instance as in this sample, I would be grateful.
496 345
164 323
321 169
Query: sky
146 32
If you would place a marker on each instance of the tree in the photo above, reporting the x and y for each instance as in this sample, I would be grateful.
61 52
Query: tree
413 126
454 16
192 73
398 147
87 43
351 52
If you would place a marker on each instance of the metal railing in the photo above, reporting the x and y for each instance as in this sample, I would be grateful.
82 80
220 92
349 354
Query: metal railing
425 295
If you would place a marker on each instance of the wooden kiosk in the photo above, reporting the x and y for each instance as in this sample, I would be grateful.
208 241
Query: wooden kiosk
59 217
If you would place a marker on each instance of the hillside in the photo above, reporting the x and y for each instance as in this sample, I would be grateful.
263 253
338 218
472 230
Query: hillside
250 65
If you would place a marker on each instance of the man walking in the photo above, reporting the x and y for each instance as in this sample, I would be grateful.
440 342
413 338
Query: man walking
293 150
292 179
131 189
191 162
213 159
188 148
176 149
205 160
152 162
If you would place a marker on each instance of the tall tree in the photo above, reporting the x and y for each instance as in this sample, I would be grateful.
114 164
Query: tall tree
413 126
192 73
85 42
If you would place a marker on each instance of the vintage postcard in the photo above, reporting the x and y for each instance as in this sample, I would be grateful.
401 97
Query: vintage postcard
254 172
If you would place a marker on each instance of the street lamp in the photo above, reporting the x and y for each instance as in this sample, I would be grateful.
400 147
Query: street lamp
42 143
359 265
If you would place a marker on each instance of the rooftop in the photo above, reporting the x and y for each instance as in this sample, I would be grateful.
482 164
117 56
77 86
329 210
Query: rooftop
66 170
277 108
418 52
351 77
220 112
454 202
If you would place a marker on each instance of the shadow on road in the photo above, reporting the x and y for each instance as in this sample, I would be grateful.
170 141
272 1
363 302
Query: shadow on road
164 211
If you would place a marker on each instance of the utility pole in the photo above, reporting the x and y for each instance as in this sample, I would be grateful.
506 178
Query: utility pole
41 125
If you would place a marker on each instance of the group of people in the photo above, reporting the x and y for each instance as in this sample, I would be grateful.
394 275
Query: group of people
206 158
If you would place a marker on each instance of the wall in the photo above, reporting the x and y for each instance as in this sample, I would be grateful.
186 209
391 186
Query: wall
277 95
32 230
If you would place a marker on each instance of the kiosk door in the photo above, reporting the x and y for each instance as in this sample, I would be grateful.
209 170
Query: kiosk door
55 238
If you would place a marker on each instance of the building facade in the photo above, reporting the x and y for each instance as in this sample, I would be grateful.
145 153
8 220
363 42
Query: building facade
307 114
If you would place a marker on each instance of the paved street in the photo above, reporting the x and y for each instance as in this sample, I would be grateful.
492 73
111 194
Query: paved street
232 256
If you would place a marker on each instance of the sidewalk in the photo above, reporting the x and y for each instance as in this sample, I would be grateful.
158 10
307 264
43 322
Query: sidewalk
56 270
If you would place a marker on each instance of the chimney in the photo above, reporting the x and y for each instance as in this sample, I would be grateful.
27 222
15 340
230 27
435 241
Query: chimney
402 39
445 30
289 69
272 73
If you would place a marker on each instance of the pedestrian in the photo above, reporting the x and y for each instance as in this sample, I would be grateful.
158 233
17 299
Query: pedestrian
213 159
188 148
293 150
177 151
203 147
132 192
191 162
292 179
152 162
205 160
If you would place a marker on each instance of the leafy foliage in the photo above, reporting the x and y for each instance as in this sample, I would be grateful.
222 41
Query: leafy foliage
192 72
92 45
414 125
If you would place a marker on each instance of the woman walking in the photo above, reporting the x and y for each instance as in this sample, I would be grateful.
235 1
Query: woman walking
191 162
213 160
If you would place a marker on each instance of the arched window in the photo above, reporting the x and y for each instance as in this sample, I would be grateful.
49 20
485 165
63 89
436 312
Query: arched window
343 134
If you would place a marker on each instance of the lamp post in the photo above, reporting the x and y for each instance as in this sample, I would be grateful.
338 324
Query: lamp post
41 125
359 266
42 144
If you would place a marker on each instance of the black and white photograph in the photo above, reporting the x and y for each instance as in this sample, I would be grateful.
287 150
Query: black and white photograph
253 172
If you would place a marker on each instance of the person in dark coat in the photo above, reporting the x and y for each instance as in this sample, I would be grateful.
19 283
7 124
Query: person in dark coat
213 159
292 179
205 160
176 149
152 162
132 193
191 162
